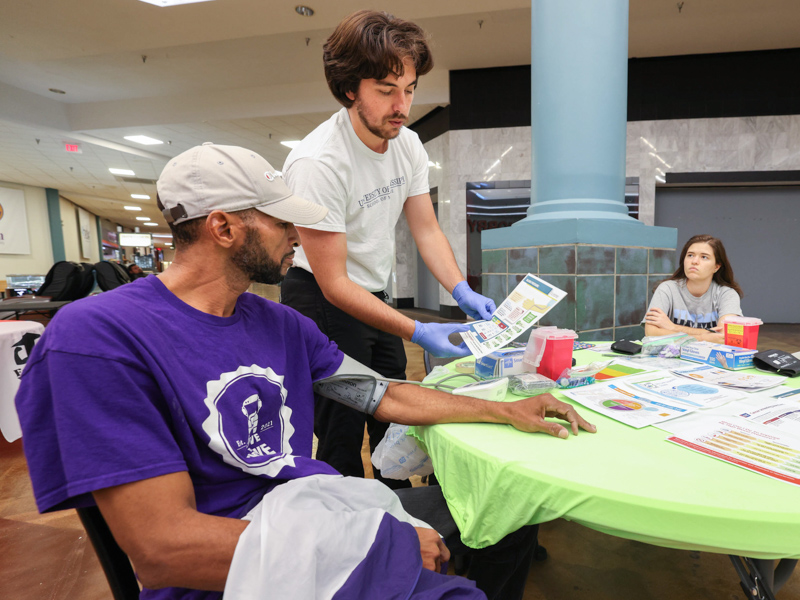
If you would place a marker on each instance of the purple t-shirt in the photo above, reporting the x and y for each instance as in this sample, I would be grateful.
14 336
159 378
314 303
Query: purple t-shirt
134 383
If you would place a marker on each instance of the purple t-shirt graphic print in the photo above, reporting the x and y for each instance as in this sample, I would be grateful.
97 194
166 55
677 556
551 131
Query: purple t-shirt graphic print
134 383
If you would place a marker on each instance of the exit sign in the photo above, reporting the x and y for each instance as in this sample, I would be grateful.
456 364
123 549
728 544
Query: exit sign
76 148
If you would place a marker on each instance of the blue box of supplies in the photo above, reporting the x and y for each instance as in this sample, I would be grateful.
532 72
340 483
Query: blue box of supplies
507 361
718 355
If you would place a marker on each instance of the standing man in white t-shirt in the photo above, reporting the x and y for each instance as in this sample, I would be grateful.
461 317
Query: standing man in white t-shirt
367 168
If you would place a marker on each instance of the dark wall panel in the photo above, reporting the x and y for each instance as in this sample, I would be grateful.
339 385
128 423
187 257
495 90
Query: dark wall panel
736 84
759 227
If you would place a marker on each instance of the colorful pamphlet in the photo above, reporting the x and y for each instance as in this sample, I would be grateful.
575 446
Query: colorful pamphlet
529 302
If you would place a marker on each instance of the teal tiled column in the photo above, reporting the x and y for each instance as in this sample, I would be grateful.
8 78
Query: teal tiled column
608 287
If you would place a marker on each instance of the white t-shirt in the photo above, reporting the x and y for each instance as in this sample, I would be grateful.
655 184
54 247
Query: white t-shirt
364 192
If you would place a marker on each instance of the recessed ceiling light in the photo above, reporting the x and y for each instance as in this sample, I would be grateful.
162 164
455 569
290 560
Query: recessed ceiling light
122 172
143 139
133 208
142 218
165 3
140 196
57 91
151 224
162 235
304 10
291 143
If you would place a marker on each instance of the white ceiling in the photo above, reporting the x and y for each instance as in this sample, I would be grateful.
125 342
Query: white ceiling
249 73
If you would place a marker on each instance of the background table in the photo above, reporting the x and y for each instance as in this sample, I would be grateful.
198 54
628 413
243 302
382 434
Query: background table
22 305
622 481
16 341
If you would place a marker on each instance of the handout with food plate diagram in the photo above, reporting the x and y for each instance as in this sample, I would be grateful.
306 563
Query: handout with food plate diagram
749 444
529 302
649 400
749 382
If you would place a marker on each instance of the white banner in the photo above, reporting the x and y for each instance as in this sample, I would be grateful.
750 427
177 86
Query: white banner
13 223
84 223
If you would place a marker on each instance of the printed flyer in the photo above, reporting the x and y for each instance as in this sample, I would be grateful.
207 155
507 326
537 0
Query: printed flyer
749 382
750 445
529 302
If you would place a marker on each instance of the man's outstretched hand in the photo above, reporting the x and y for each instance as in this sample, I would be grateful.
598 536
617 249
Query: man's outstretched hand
529 415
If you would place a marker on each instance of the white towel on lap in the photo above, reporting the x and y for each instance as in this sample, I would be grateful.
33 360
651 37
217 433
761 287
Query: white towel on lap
307 536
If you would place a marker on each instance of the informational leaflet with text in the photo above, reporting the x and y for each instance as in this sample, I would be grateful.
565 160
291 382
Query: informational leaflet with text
750 382
751 445
649 400
529 302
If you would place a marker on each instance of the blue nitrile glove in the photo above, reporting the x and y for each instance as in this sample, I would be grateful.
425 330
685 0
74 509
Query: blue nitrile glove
476 306
433 338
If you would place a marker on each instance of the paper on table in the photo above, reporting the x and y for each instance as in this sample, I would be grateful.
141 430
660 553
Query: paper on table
749 445
530 300
781 415
744 381
650 399
618 401
678 389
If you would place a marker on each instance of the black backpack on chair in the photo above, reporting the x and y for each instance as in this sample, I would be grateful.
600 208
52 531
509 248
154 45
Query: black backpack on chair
64 281
110 275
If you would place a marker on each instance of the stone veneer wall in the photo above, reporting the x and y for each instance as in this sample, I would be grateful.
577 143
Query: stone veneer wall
608 287
770 143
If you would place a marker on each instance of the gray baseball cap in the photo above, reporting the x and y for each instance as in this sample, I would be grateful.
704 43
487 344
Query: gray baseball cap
228 178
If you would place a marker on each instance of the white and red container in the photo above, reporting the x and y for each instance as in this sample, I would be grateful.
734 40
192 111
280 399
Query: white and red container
549 351
742 332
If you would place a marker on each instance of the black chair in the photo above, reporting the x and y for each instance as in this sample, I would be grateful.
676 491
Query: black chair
431 361
115 563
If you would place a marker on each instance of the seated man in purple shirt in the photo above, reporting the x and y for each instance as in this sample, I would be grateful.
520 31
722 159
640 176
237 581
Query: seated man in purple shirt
192 433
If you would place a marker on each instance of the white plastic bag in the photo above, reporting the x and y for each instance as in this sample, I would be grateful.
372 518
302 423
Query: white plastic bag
398 456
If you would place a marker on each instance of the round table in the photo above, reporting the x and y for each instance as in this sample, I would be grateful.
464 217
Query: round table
623 481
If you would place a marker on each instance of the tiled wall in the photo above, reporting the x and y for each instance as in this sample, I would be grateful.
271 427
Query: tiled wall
608 287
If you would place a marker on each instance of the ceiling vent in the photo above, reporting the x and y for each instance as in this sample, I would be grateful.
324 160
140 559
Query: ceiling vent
137 180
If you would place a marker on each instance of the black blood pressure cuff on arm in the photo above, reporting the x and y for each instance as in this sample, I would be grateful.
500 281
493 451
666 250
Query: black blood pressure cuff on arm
778 361
353 385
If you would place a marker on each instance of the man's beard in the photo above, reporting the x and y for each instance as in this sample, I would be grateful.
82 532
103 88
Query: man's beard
253 261
376 130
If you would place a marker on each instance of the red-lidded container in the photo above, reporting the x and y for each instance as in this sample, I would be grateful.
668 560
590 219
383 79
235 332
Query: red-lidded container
742 332
549 351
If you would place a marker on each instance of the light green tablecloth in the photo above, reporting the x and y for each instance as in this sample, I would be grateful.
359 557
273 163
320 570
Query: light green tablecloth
622 481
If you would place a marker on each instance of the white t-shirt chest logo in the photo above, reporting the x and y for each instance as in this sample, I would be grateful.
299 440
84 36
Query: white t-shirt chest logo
379 194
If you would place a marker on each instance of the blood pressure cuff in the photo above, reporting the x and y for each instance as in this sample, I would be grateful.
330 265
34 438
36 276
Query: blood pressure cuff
353 385
778 361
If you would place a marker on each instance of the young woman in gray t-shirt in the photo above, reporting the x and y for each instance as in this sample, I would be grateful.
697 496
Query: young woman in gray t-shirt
699 296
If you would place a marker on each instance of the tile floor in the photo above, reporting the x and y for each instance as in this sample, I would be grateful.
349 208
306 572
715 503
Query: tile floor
49 557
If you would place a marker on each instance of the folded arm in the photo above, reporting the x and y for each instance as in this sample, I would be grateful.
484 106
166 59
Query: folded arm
658 323
156 522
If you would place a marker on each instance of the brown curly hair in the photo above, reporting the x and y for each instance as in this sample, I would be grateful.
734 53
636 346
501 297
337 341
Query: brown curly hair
723 276
369 45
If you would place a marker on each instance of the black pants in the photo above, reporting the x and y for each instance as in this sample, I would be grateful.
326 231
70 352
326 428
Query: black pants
501 570
340 429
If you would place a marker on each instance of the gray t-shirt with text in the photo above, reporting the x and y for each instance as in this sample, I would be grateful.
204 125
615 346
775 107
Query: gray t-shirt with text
690 311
